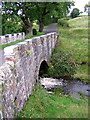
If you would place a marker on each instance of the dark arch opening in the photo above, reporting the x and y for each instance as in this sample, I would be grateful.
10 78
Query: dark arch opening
43 69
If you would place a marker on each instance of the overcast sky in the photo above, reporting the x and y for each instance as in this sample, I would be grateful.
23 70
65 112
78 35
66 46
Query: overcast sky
80 4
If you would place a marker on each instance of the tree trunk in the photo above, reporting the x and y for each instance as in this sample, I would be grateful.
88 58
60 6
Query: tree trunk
30 29
41 26
27 24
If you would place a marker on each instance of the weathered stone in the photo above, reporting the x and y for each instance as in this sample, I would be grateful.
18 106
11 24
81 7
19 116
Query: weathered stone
21 69
50 82
11 38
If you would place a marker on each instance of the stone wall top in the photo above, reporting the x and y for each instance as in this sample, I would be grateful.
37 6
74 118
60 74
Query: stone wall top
8 38
10 50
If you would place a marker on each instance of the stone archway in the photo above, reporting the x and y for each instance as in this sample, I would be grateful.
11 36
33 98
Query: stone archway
43 68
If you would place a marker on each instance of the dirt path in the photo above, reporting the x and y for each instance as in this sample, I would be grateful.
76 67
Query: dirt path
51 28
78 28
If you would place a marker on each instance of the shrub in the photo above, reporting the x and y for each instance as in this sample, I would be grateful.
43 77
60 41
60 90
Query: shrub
66 18
60 65
75 12
34 32
63 23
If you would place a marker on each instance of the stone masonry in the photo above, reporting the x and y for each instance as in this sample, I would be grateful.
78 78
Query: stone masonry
20 71
11 38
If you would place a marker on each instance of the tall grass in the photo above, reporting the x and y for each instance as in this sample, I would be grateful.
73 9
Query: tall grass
75 42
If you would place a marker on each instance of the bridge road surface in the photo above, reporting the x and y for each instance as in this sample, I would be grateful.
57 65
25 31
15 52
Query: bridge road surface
51 28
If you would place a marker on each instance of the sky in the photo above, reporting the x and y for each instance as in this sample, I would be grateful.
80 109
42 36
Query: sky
80 5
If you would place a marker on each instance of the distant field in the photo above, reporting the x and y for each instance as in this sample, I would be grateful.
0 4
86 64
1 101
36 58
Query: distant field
81 21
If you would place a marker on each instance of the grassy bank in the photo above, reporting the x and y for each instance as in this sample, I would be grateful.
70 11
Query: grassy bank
70 57
43 105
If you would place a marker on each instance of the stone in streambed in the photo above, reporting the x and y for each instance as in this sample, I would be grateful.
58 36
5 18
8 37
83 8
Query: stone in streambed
50 82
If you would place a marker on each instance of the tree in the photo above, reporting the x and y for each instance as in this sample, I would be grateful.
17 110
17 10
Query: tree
31 11
75 12
11 25
24 10
62 10
44 11
87 8
51 10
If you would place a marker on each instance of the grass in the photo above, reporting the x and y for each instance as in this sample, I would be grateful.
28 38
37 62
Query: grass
75 42
37 27
80 22
43 105
70 57
15 42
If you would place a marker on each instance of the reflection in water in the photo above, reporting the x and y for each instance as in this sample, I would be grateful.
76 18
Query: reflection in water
75 87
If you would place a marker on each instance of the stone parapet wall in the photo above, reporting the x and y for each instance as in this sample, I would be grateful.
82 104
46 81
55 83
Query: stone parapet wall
11 38
20 71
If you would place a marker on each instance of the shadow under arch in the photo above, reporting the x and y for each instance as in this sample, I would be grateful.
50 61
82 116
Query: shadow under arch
43 68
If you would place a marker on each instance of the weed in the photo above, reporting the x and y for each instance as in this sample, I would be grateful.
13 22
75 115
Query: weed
81 94
28 52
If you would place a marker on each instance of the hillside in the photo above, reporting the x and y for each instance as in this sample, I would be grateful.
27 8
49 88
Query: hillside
74 41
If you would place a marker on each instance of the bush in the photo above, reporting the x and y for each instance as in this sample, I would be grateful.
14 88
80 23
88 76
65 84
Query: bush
60 65
66 18
75 12
34 32
63 23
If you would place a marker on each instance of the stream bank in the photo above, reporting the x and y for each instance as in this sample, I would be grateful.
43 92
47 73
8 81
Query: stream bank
73 87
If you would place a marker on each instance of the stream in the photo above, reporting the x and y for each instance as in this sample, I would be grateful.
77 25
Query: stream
74 87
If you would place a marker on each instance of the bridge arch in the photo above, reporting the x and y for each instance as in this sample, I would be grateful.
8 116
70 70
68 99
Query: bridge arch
42 69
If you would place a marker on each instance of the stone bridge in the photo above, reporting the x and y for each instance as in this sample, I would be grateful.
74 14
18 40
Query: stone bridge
24 62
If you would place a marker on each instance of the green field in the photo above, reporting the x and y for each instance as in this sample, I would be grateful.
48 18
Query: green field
81 21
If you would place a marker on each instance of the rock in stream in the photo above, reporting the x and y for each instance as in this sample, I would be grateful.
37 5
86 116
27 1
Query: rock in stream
50 82
74 87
